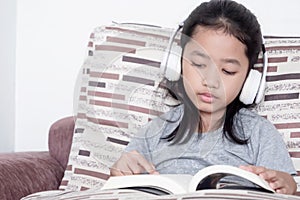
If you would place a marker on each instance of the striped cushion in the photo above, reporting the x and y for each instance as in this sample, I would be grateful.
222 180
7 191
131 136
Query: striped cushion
119 94
281 104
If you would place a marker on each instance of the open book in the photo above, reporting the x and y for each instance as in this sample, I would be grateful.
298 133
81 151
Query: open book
207 178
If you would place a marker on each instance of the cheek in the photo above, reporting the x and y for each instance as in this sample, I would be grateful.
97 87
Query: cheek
191 73
191 81
188 83
232 89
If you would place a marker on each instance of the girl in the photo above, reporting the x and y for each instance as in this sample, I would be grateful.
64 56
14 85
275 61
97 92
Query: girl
221 40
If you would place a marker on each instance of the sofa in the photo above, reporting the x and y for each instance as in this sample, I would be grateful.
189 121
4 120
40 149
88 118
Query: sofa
24 173
118 93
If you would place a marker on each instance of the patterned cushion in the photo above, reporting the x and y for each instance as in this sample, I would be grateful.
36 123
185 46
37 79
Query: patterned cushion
281 104
119 93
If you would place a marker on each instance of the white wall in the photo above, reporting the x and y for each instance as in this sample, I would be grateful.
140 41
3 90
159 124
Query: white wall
7 73
51 42
52 36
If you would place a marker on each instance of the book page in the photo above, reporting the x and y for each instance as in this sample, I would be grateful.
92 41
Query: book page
216 172
219 194
167 183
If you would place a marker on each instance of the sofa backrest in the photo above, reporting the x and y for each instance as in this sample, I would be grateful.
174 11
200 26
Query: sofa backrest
119 93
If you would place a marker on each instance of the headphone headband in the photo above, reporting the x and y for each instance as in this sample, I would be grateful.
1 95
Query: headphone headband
171 63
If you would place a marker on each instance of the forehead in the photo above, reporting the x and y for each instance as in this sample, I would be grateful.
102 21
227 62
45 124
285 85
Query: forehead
206 35
216 44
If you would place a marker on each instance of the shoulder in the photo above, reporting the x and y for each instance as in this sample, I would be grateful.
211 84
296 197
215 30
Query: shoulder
149 135
174 114
164 123
253 124
251 117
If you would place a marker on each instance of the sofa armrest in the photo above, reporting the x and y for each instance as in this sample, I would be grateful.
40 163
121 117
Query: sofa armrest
24 173
60 139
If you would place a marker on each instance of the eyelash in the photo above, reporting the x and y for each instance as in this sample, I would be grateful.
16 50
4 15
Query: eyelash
203 65
228 72
198 65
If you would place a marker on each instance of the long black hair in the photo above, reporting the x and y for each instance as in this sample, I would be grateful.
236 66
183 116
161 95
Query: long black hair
234 19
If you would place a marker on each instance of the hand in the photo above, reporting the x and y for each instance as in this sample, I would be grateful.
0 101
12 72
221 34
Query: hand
132 163
281 182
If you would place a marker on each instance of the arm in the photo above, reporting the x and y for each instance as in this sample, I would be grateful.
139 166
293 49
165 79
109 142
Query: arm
135 159
273 162
138 153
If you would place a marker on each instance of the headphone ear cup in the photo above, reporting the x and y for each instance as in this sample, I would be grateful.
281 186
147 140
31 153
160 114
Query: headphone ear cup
173 66
251 87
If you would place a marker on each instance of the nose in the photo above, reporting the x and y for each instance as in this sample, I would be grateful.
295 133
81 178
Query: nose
210 78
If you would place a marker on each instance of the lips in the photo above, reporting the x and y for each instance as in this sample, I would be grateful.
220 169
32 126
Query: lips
206 97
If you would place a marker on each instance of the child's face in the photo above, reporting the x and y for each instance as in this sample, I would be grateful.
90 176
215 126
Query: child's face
214 69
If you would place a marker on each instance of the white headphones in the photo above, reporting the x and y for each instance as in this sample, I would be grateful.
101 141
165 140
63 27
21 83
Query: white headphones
255 83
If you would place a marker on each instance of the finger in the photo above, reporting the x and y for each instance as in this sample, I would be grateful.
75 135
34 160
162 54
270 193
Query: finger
154 172
247 167
147 166
276 185
115 172
281 191
254 169
128 163
136 168
144 164
128 171
120 168
269 175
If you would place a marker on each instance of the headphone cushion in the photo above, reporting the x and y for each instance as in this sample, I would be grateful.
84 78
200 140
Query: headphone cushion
251 87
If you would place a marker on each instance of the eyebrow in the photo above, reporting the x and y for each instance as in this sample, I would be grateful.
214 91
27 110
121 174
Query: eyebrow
232 61
224 60
199 53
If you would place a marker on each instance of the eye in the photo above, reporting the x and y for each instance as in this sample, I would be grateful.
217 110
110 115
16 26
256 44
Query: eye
198 65
231 73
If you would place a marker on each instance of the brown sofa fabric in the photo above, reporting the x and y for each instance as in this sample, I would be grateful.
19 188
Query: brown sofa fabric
24 173
60 139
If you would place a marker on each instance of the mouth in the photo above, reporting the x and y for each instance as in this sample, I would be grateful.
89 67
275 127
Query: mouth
206 97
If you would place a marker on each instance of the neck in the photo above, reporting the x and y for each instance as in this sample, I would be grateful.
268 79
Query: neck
211 122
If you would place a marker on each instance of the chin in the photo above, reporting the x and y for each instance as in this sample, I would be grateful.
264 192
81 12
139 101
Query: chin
210 108
205 109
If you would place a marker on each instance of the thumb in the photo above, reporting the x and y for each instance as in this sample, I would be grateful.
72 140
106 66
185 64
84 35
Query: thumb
153 171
